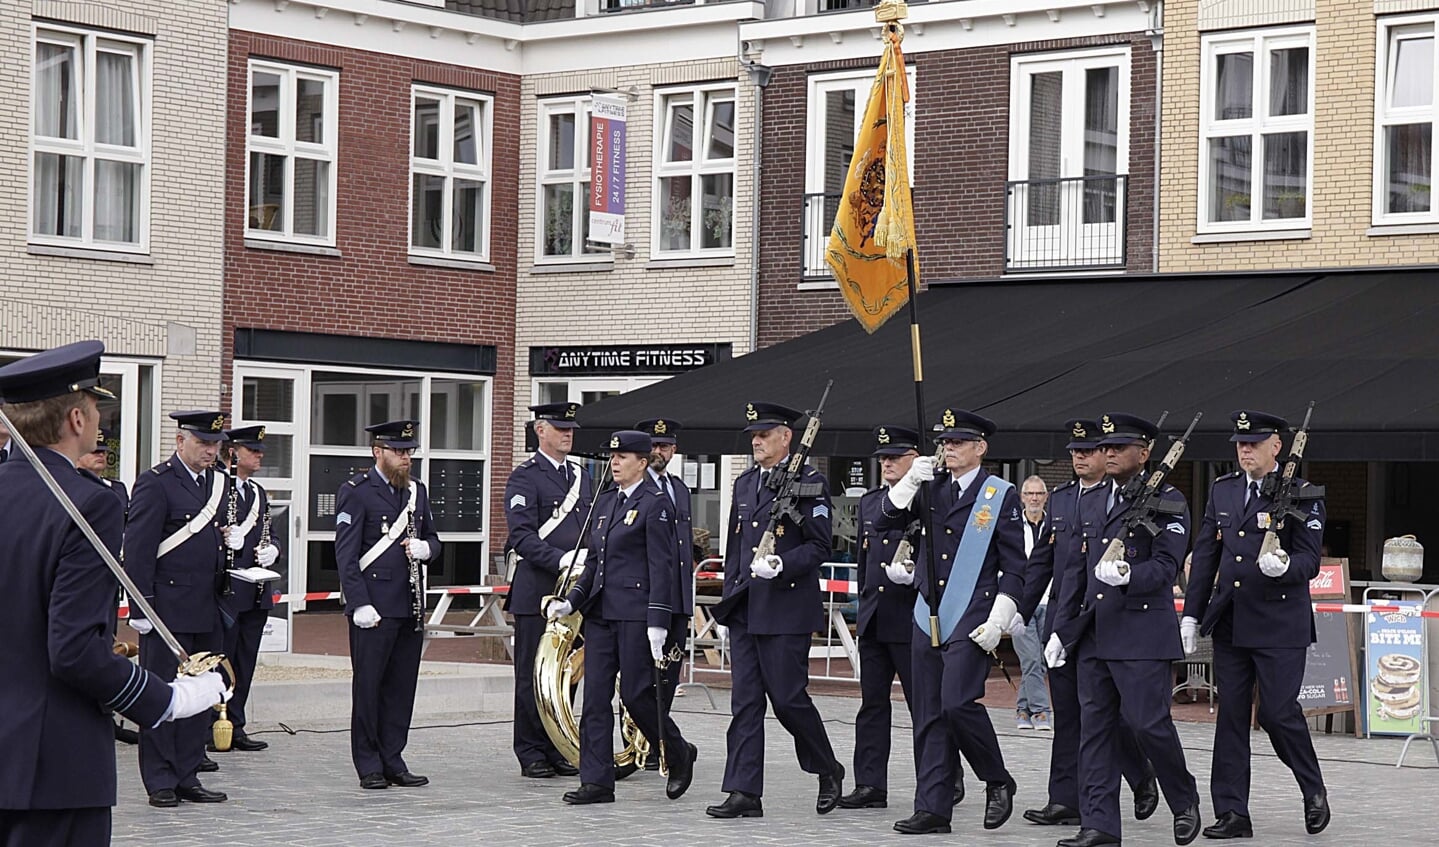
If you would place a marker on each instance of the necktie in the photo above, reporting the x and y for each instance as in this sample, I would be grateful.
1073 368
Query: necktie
763 480
957 490
200 481
1252 492
670 490
4 454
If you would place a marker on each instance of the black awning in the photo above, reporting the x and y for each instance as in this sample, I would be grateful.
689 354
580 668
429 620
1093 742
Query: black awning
1029 353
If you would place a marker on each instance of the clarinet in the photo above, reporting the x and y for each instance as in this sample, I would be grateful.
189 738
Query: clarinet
222 579
417 588
264 542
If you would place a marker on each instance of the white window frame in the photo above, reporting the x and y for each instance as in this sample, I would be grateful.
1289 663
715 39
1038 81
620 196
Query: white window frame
447 168
1384 117
576 176
285 145
86 43
1260 43
698 167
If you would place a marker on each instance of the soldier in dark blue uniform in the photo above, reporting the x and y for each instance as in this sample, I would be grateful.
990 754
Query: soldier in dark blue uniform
382 525
546 501
96 462
62 680
1121 631
175 552
626 595
980 571
1056 561
775 605
1259 614
663 434
247 607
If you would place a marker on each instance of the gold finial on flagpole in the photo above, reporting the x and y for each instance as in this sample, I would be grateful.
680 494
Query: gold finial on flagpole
891 11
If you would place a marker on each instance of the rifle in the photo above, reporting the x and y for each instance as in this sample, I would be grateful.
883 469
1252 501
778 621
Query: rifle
1285 492
904 551
1148 503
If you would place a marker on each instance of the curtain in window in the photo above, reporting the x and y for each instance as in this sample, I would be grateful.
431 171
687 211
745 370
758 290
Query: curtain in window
117 184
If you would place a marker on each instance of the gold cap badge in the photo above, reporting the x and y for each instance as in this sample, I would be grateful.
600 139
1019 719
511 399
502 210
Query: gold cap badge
749 413
614 442
660 428
883 436
408 431
948 420
217 424
1079 431
1243 423
260 436
1106 425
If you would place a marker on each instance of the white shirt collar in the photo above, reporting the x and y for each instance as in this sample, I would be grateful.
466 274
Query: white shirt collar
1249 478
557 463
967 478
631 489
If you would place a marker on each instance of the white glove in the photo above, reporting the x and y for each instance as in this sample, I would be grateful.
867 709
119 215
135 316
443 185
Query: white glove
722 631
899 574
367 617
558 609
192 695
657 636
266 556
1274 564
987 634
419 549
569 556
1189 634
766 567
142 625
1016 624
1110 572
1054 653
233 538
901 494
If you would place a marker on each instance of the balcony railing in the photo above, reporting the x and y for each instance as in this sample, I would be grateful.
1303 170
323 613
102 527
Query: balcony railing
1073 223
631 5
815 223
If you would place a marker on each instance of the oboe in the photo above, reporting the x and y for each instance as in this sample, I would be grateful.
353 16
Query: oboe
417 588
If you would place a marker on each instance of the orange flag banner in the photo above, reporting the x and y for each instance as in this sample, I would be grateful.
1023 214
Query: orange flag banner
874 226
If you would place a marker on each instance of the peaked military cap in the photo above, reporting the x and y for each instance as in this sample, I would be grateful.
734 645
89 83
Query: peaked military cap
1083 434
558 415
54 373
102 441
204 425
252 437
1251 426
894 440
631 441
760 416
1117 430
959 425
397 435
661 430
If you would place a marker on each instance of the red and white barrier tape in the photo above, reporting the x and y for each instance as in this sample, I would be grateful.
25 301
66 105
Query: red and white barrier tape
312 596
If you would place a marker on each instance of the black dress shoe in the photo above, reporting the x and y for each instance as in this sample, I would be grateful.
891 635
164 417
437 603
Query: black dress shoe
164 799
1146 798
536 770
564 768
588 793
200 794
625 771
998 803
1186 825
208 765
405 779
652 761
248 744
682 773
374 781
921 823
126 736
738 805
958 790
831 785
1088 838
1230 825
1316 813
865 797
1053 815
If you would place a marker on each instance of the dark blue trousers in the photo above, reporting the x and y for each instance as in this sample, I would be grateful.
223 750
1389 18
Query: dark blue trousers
55 827
242 648
1064 754
531 742
1112 693
777 667
879 664
1278 672
619 648
170 753
386 662
948 685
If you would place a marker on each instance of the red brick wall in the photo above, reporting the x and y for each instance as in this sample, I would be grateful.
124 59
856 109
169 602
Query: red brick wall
371 289
961 160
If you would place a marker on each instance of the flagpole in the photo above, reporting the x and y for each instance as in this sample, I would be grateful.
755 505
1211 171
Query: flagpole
922 499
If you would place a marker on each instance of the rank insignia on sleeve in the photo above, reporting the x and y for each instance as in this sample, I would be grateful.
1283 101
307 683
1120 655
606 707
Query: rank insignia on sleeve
664 516
1315 524
630 516
820 511
1177 528
517 501
343 517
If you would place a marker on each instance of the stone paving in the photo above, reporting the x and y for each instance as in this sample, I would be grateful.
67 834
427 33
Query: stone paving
303 791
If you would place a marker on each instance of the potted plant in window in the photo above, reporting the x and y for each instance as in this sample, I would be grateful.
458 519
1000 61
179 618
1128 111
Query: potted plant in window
1291 204
1236 208
718 221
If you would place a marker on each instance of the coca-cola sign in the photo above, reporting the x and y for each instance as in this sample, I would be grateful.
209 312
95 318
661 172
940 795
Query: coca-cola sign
1329 582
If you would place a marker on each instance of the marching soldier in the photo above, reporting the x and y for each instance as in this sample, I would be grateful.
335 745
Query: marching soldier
663 434
383 529
1117 623
776 606
626 629
57 753
1056 561
1260 617
247 607
175 552
980 567
546 501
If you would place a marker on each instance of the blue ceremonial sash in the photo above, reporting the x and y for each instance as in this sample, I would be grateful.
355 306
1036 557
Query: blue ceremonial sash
968 559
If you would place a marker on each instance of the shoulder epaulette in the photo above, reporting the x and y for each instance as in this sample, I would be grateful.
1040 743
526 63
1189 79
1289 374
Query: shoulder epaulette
357 478
528 462
163 467
1230 475
1060 488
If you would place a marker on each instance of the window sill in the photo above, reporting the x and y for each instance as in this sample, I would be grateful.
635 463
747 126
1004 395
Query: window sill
290 247
457 264
817 285
573 268
1263 235
1402 229
89 253
694 262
